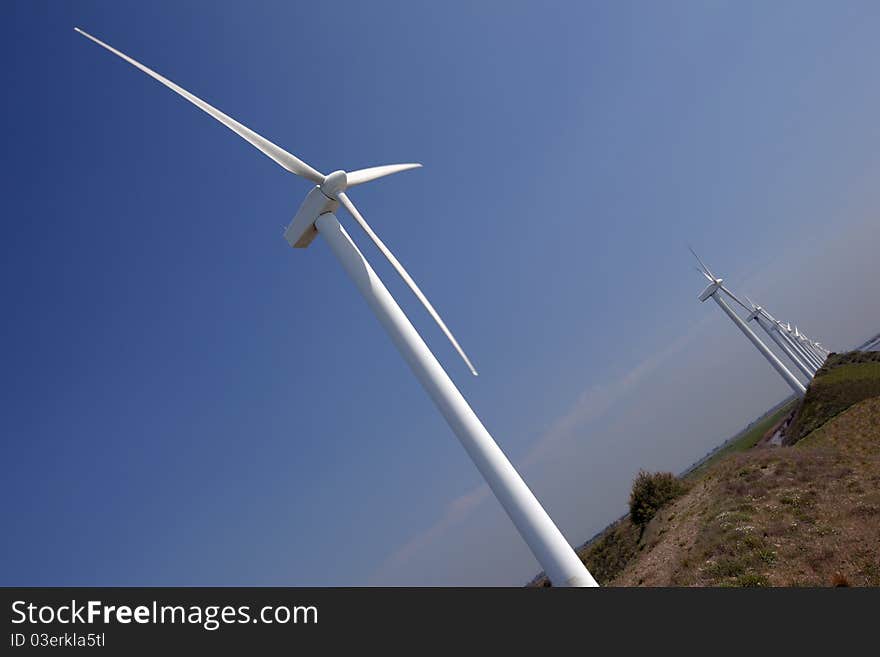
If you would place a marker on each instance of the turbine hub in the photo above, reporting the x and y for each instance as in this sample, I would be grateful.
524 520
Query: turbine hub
334 183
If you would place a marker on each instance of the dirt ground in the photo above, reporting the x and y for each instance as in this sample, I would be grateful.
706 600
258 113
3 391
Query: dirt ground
807 515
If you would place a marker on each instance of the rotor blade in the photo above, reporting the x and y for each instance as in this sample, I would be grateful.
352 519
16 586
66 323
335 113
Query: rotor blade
734 297
366 175
708 278
282 157
343 198
705 268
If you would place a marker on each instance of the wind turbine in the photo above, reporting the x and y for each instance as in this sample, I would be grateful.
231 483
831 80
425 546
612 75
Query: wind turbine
717 284
788 334
808 345
820 351
803 345
767 322
316 216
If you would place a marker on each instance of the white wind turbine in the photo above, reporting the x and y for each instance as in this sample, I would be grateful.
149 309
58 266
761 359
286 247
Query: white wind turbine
789 335
809 346
316 216
795 338
819 350
767 322
717 284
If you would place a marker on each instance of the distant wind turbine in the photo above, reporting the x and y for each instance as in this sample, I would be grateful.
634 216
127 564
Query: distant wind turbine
790 336
768 323
808 346
316 216
717 284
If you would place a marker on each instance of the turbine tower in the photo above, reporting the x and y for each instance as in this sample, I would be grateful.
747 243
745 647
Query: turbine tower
717 284
316 217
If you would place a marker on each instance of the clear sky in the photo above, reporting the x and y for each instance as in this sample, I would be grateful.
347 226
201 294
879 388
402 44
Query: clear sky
185 400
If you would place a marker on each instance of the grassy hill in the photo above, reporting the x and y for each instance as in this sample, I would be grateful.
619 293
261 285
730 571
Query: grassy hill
844 380
806 514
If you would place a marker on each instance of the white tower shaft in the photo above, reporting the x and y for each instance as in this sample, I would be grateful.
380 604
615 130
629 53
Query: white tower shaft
556 556
819 356
790 378
809 355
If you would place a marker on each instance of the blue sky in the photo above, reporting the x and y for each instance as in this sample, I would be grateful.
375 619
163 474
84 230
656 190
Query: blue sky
188 401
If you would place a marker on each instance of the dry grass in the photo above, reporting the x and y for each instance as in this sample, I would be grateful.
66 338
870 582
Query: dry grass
808 515
844 380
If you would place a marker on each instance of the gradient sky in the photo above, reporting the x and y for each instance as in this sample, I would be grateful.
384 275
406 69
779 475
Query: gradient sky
188 401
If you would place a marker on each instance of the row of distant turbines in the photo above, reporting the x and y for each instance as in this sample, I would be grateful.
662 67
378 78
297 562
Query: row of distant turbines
806 355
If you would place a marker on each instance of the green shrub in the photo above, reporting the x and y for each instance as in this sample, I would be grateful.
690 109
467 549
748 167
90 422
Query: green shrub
726 567
751 580
607 556
651 491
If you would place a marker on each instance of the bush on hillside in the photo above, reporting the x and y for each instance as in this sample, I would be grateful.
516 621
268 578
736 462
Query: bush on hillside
651 491
607 556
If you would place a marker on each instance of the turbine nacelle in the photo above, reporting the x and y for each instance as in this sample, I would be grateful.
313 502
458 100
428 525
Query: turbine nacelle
711 289
715 283
301 231
321 199
326 197
757 312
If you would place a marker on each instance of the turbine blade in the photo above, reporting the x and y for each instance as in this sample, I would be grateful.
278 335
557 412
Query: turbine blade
361 176
708 278
703 264
282 157
343 198
734 297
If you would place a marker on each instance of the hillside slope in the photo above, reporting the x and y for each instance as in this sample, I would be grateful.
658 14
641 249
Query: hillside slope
844 380
804 514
